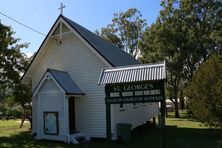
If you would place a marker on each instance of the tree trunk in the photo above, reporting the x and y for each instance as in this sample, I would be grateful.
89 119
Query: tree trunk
176 93
182 103
30 120
176 105
166 112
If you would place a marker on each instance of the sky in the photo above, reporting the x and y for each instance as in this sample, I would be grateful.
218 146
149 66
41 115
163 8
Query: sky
91 14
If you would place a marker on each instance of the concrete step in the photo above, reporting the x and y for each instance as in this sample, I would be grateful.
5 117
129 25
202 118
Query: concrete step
77 138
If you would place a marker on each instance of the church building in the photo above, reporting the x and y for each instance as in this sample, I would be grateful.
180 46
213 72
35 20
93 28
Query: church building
64 76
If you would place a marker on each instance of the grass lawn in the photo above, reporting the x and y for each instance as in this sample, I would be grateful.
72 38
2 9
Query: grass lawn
180 133
185 121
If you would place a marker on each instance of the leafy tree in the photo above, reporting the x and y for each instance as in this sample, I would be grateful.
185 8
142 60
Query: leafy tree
108 33
183 36
10 108
22 96
205 92
12 64
11 59
126 30
203 20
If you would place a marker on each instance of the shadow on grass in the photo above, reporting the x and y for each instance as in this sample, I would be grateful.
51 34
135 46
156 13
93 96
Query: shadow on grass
24 139
179 137
142 137
193 138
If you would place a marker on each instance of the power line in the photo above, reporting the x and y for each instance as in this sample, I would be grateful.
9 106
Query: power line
22 24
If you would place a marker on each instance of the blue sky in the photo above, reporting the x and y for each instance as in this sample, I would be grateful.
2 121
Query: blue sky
92 14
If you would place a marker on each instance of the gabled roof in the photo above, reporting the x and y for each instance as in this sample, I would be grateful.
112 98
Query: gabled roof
114 55
66 82
133 73
109 52
63 80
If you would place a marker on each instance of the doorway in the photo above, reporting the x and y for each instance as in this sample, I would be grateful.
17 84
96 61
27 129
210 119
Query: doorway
72 123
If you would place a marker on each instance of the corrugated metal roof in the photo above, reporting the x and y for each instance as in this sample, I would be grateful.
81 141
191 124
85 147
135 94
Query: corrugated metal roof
66 82
112 54
142 72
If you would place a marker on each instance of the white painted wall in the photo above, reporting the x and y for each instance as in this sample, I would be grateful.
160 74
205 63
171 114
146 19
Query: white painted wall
84 68
49 99
132 114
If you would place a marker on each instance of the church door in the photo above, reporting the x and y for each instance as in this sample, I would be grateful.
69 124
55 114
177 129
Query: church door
72 127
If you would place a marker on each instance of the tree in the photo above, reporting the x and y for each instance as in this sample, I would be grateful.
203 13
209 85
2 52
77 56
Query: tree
205 92
108 33
126 30
164 41
12 61
12 64
203 20
183 37
22 96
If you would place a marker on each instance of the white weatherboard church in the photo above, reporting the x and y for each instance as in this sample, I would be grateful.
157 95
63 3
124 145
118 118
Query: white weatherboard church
64 78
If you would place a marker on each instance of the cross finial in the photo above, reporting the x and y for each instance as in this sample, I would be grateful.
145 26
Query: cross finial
61 8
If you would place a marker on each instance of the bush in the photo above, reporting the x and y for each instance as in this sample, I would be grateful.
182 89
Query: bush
205 92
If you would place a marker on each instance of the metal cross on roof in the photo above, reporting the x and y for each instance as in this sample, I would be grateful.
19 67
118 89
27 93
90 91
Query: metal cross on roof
61 8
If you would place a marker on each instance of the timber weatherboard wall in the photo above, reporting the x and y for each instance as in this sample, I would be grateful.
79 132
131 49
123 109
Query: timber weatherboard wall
84 68
134 114
48 92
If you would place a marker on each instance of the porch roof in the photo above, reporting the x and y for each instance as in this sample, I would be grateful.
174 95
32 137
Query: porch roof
66 82
63 80
133 73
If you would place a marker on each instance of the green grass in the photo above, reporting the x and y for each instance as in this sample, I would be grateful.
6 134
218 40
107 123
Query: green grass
190 133
184 132
185 121
11 127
